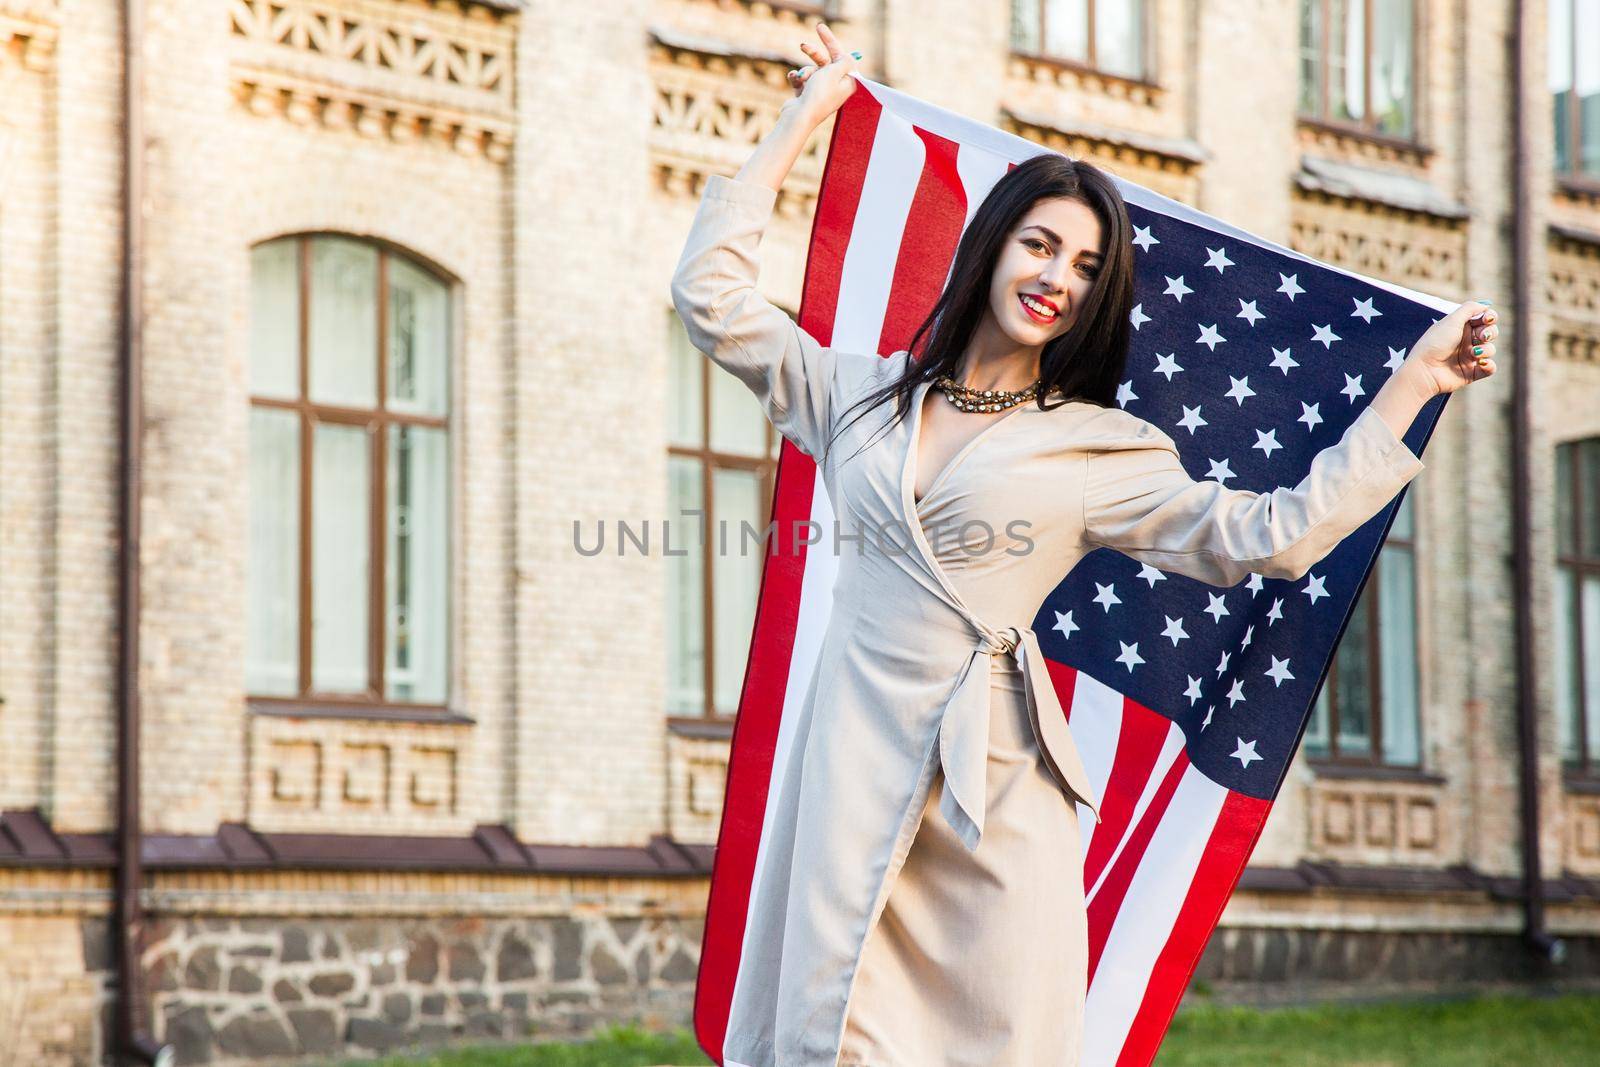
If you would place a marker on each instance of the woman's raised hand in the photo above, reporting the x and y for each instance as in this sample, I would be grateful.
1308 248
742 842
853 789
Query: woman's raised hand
1458 349
822 86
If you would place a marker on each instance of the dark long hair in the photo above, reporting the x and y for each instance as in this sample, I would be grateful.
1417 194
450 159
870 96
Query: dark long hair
1086 362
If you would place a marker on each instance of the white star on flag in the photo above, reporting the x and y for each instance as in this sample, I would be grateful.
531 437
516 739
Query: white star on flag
1143 239
1275 612
1220 471
1352 387
1223 666
1282 360
1397 356
1106 596
1235 692
1150 574
1325 334
1191 420
1364 310
1290 285
1245 752
1218 258
1175 287
1267 441
1241 389
1167 364
1209 337
1279 671
1254 584
1310 416
1130 655
1174 630
1215 609
1315 587
1065 624
1137 316
1125 393
1247 311
1193 692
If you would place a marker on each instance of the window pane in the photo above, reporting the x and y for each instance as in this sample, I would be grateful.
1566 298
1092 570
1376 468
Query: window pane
1586 83
1391 66
1310 57
1347 73
417 590
1566 664
1589 496
272 661
1352 663
1591 663
1066 28
344 322
1116 30
275 319
419 340
341 499
736 579
1559 63
684 368
1316 738
1566 540
738 424
686 650
1404 526
1397 631
1025 25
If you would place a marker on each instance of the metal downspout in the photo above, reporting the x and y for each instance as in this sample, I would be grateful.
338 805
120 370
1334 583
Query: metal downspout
132 1043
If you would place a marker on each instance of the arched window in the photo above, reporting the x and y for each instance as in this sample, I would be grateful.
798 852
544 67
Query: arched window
1577 609
1367 711
349 558
722 458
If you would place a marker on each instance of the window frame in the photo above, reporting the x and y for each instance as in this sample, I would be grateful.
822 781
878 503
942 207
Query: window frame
1573 176
709 461
372 703
1090 64
1587 768
1367 128
1373 759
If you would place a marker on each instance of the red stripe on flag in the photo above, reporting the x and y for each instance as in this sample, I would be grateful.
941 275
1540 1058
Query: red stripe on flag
755 732
1232 840
927 244
1107 903
1139 743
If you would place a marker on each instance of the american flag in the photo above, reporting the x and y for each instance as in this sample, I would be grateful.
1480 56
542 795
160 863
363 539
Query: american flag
1187 701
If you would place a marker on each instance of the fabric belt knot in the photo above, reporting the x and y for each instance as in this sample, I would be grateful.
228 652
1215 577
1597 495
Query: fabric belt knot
964 732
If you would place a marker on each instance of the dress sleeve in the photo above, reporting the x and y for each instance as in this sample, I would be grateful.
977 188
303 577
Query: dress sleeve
1139 500
714 291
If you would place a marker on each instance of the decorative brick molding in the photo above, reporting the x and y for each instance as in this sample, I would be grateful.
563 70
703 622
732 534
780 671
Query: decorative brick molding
1375 821
1572 293
1412 248
1169 166
1078 78
714 101
697 773
436 71
338 775
1581 817
1356 146
28 33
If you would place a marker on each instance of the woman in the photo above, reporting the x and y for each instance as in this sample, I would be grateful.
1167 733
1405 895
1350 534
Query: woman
920 899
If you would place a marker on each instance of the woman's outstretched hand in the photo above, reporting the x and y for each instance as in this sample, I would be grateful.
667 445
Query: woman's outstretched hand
822 86
1457 350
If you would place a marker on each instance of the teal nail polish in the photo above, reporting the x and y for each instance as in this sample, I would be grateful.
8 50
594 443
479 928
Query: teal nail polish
856 54
1477 350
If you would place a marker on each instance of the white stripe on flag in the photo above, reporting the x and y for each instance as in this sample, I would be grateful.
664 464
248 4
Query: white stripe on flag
1096 725
1171 746
867 276
1149 911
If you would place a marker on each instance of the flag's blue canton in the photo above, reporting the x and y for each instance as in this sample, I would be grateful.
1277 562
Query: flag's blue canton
1253 362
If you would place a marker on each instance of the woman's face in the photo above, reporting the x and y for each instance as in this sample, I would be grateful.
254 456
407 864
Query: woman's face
1050 257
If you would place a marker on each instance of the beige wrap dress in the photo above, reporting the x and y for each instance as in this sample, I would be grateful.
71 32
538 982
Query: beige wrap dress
919 901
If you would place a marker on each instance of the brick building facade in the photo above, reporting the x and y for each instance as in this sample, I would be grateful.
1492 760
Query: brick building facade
506 187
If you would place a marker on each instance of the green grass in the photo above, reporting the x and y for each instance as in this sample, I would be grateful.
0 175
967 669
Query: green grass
616 1046
1497 1031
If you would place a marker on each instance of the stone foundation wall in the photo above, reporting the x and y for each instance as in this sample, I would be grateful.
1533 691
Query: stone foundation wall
249 990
